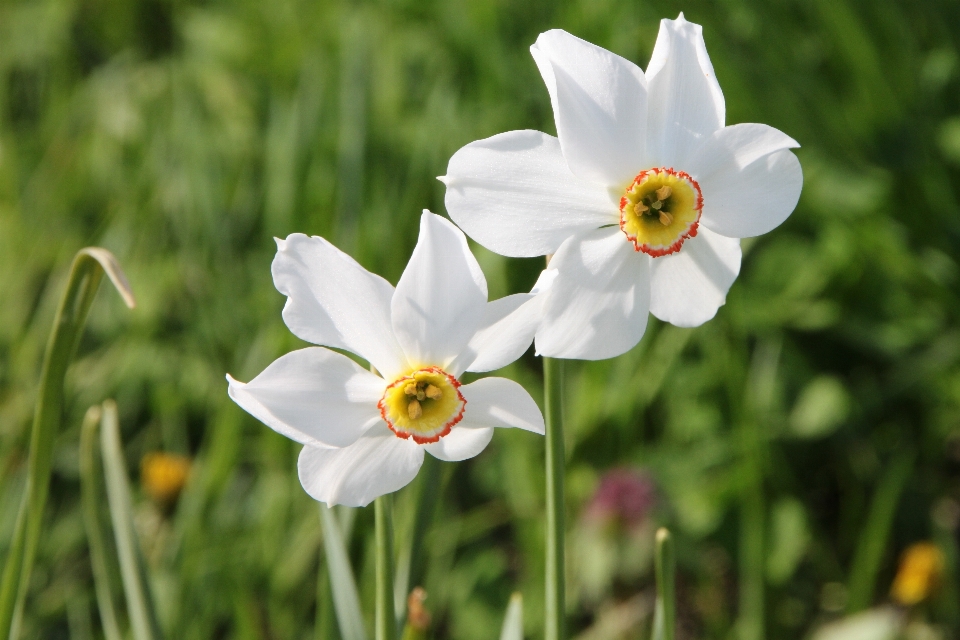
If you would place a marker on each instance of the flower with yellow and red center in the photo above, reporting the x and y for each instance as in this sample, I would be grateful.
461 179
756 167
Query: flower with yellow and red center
642 198
365 432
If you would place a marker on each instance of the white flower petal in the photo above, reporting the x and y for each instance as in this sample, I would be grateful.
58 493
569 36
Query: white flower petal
333 301
313 396
441 295
376 464
498 402
686 104
505 332
514 194
597 306
687 287
599 106
462 443
750 180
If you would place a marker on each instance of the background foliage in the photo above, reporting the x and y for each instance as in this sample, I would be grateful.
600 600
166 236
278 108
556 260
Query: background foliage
183 135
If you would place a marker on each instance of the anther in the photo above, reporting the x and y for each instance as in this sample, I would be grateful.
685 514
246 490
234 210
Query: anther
414 410
410 389
666 219
433 392
664 192
639 208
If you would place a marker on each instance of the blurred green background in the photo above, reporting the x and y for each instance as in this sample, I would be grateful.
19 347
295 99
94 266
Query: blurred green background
796 444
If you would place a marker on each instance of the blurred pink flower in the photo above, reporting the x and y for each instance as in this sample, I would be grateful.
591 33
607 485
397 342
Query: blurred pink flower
625 496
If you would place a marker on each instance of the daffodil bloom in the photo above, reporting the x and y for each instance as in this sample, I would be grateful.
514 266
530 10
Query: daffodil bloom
642 197
365 433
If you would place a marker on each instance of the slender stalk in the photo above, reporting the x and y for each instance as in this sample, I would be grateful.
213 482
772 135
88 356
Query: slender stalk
665 616
386 621
91 486
555 619
876 532
410 562
88 268
343 586
143 620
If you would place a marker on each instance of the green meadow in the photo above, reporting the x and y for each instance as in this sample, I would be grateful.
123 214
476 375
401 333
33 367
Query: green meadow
796 445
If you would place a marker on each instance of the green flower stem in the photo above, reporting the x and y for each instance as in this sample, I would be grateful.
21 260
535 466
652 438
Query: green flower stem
386 622
88 268
555 610
91 486
665 616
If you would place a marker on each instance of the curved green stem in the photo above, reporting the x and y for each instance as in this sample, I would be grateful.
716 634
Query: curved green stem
88 268
386 626
555 614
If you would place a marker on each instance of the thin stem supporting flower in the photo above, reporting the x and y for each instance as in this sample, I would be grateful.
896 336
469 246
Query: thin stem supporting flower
555 610
665 616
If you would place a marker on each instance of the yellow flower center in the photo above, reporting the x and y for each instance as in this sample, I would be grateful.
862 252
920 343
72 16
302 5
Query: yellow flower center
423 405
659 210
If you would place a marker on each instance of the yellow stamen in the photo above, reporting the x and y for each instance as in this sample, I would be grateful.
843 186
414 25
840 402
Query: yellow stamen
433 392
666 219
410 389
640 208
664 192
414 410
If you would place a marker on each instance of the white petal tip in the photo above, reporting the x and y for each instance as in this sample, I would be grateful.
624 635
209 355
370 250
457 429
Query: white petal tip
445 180
281 243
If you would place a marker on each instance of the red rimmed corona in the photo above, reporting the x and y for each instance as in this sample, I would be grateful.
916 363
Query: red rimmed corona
659 210
423 405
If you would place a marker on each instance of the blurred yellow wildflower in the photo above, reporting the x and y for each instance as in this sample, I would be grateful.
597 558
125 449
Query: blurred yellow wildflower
163 475
921 567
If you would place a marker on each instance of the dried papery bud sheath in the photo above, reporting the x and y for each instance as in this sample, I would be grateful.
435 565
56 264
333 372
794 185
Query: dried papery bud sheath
418 618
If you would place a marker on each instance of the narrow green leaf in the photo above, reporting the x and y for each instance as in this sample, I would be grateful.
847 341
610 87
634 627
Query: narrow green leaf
91 484
386 627
88 268
513 620
876 533
346 600
140 608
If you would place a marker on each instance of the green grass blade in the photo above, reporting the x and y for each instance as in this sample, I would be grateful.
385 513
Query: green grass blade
91 483
140 608
876 533
410 563
386 628
513 620
88 268
346 599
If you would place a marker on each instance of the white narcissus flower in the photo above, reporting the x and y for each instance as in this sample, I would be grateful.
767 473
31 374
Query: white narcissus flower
642 198
365 433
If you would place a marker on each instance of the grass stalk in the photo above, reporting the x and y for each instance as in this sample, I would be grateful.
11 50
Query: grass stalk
343 585
140 609
876 533
555 611
87 271
386 621
91 486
